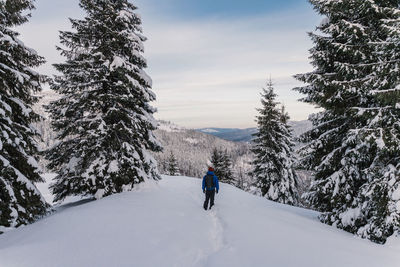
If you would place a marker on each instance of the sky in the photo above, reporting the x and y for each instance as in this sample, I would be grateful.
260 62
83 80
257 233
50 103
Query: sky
209 59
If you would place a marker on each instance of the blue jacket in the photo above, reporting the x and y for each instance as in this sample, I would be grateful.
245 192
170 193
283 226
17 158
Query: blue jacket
215 182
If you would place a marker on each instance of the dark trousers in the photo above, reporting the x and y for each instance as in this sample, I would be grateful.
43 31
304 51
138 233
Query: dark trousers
210 194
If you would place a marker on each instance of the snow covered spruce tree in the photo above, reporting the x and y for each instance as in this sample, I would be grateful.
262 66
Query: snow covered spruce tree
172 165
273 166
104 118
222 163
228 176
389 55
380 197
217 162
355 139
20 201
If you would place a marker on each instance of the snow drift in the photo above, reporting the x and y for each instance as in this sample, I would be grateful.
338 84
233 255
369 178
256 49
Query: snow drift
165 225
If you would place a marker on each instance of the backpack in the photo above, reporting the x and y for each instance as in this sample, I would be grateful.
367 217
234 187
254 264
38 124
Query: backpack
210 181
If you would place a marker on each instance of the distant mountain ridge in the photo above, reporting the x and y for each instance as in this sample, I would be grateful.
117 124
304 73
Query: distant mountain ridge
193 150
246 135
231 134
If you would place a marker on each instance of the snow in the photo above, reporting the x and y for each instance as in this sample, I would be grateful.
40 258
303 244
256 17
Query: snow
396 194
113 167
99 194
32 161
44 187
48 196
325 21
117 62
192 141
25 111
348 217
165 225
124 14
21 77
20 177
73 163
379 140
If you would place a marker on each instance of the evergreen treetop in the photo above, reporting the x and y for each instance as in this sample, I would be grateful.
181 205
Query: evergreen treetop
273 166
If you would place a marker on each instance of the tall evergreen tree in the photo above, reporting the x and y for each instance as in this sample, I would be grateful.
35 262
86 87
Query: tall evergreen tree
222 164
352 138
380 196
172 165
228 176
104 118
20 201
217 162
273 166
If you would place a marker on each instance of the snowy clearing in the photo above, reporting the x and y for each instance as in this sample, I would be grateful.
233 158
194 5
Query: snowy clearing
165 225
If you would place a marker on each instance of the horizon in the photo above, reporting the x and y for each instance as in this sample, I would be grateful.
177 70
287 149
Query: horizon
231 128
208 63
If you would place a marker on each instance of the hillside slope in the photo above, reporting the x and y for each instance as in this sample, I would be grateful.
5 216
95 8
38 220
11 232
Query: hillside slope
165 225
193 149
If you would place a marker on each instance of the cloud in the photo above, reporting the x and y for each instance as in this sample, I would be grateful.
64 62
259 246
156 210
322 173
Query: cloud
213 70
207 71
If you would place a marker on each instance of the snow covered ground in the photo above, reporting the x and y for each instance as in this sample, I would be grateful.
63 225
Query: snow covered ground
165 225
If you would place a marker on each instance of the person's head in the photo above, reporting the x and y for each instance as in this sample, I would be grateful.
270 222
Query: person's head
210 169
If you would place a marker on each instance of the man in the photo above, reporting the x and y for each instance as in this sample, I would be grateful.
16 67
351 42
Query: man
210 186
